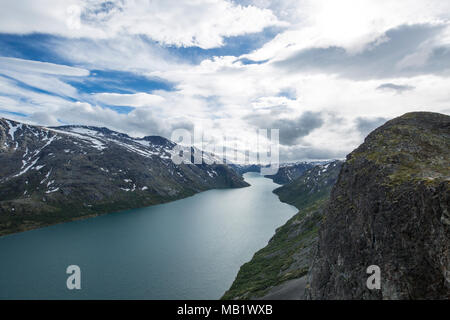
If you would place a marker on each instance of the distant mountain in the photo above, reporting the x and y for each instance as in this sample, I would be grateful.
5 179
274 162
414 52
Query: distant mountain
289 172
50 175
244 168
314 184
279 270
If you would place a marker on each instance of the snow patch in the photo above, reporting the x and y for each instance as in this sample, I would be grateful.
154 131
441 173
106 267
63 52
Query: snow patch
53 190
12 128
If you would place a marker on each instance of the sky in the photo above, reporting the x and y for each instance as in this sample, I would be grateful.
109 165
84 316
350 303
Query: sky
325 73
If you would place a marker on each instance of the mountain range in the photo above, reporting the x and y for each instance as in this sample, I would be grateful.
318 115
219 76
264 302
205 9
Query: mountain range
57 174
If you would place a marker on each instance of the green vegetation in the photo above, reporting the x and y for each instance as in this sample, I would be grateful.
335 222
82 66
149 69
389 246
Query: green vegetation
410 149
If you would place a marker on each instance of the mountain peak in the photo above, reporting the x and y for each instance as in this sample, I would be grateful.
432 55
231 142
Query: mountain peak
413 146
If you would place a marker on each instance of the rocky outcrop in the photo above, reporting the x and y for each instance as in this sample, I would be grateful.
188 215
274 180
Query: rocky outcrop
50 175
390 208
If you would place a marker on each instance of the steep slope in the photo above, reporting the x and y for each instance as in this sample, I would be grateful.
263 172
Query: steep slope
390 208
278 270
50 175
289 172
314 184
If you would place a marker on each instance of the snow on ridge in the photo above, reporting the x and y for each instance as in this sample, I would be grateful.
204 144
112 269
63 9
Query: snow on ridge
85 131
145 153
53 190
27 168
12 128
144 142
95 142
98 140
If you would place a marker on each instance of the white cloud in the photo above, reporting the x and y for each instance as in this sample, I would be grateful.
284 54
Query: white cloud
132 100
202 23
126 53
350 24
41 75
7 63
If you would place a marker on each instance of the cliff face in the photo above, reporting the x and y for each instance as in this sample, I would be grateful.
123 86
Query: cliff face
390 208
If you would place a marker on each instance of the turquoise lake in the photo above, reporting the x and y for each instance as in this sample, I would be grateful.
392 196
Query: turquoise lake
187 249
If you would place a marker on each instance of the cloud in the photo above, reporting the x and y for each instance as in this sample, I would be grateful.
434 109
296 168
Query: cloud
291 130
398 88
367 125
309 153
346 24
22 65
201 23
132 100
394 54
41 75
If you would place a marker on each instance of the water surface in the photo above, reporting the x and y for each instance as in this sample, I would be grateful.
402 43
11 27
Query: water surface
187 249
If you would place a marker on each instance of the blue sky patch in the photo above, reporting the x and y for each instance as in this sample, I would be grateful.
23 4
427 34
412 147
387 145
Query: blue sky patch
233 46
118 82
36 46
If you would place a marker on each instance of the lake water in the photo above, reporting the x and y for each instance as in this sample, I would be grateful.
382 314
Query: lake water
187 249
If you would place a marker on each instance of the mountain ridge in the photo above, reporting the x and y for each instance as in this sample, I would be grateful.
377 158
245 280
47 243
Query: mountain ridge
57 174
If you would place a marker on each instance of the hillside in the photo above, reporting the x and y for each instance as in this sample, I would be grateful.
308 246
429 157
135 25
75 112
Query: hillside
289 172
278 270
51 175
390 208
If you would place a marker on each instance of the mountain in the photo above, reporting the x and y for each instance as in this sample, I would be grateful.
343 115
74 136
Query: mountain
244 168
51 175
288 172
314 184
390 208
278 271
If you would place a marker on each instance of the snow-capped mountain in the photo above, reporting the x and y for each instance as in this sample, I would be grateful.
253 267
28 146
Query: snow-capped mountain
55 174
287 171
290 171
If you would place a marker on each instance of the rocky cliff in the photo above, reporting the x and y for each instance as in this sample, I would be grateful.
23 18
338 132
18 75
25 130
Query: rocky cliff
390 208
50 175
